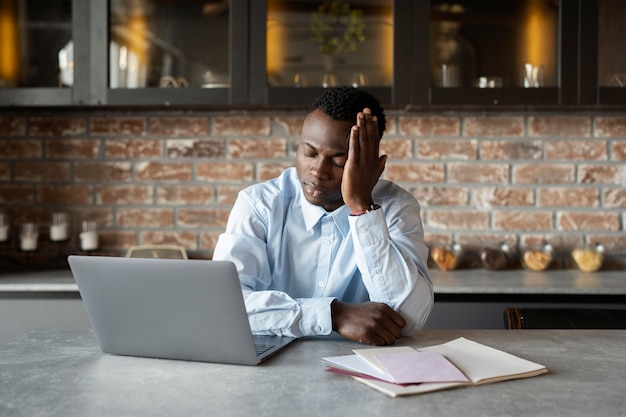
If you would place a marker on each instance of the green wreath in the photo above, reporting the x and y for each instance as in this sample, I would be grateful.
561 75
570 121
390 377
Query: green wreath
336 28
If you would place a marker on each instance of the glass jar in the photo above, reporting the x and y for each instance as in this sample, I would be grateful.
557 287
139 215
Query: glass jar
589 258
538 257
495 257
446 257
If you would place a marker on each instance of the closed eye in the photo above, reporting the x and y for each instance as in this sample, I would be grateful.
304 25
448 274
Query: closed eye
338 159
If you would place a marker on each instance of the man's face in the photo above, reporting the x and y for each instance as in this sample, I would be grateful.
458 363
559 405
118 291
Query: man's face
321 156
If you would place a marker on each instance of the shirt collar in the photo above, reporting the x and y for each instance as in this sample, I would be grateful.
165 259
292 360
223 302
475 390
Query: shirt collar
313 214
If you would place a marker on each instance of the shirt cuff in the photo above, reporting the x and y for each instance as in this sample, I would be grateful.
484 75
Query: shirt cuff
316 318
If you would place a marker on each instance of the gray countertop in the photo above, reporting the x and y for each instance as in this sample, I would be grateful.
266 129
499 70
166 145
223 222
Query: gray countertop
58 280
469 281
562 281
63 373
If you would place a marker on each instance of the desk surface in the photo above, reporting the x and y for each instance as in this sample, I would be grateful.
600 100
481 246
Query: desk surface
468 281
63 373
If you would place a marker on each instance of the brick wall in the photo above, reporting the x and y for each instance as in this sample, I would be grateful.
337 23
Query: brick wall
172 176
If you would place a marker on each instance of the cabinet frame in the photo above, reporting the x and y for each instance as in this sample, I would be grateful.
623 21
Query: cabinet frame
577 68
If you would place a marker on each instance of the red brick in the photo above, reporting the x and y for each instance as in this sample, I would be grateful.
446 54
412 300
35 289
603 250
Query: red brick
440 196
257 148
568 197
489 126
614 198
118 126
124 194
478 172
31 214
16 194
185 194
429 126
208 240
241 125
145 217
543 173
72 148
471 242
602 174
224 171
42 171
588 221
485 197
447 149
12 126
392 126
187 239
414 172
269 170
619 151
436 239
133 148
195 148
522 220
559 126
103 216
613 244
396 148
510 149
179 126
5 171
610 126
291 124
457 219
65 194
227 194
161 171
209 217
57 126
579 150
560 243
293 146
20 148
118 239
102 171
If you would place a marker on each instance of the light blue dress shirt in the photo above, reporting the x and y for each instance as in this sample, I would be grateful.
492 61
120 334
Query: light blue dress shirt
294 258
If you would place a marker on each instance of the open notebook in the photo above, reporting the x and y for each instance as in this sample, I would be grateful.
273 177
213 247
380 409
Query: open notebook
480 364
170 308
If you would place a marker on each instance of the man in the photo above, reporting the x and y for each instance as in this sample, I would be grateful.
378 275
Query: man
327 246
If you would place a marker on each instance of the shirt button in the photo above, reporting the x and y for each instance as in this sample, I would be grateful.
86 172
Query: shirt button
321 283
327 242
363 230
317 328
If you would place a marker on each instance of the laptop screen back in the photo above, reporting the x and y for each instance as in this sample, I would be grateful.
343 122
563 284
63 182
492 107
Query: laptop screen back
166 308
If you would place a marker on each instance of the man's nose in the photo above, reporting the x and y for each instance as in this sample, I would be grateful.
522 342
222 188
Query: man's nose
320 168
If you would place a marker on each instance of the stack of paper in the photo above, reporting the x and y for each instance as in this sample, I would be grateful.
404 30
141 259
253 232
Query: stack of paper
404 371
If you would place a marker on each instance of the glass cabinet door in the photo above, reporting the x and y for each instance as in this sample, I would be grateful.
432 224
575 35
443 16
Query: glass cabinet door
36 43
502 45
182 47
36 51
168 44
310 45
329 43
611 51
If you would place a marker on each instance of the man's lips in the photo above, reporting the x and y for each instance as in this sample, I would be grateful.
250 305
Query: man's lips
313 190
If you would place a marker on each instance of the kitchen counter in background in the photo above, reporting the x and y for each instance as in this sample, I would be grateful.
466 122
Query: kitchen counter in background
462 285
464 299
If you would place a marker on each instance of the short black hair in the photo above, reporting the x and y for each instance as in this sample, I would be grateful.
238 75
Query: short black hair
343 103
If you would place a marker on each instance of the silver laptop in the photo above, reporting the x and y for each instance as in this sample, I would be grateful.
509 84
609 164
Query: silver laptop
170 308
